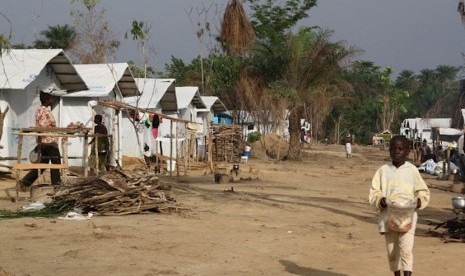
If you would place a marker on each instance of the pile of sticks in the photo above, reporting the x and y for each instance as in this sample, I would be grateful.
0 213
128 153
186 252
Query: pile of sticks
116 193
227 143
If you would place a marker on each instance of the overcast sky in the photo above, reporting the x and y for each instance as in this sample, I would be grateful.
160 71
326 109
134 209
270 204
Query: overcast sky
404 34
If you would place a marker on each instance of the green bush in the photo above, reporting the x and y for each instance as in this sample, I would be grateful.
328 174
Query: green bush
253 136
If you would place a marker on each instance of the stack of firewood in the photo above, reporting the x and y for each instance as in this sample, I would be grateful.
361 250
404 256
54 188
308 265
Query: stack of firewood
116 193
227 143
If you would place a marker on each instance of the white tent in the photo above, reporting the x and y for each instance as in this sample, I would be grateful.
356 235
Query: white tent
112 81
23 73
206 115
421 128
157 95
188 101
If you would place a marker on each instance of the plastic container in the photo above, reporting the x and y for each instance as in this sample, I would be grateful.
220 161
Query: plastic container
400 211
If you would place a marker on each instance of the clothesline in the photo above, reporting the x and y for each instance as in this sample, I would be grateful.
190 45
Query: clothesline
124 106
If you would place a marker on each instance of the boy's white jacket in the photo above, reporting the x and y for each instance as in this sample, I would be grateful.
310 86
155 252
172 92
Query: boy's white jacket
390 181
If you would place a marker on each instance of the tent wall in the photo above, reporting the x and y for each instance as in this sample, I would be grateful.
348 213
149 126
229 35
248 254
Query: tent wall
77 110
23 105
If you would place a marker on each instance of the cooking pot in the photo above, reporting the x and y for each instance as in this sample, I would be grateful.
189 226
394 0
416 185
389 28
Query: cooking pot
458 202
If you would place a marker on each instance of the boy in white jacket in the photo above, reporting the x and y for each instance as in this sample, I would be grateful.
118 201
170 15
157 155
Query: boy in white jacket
398 177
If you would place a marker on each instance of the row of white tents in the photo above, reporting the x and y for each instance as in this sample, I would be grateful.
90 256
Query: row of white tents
430 130
24 73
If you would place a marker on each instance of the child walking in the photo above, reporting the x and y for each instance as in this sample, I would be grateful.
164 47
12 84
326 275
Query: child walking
394 180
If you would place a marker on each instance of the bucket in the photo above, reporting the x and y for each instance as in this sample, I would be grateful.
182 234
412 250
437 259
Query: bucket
246 152
171 166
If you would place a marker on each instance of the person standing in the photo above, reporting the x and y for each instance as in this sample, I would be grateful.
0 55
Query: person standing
103 146
348 143
46 145
398 179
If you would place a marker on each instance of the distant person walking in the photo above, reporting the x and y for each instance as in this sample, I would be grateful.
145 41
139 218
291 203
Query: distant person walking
348 142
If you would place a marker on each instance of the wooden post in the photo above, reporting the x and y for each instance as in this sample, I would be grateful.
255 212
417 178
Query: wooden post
157 157
96 153
64 148
177 149
186 154
210 149
171 147
18 160
85 154
447 161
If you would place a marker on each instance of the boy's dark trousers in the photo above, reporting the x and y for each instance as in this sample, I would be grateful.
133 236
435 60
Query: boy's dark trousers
49 153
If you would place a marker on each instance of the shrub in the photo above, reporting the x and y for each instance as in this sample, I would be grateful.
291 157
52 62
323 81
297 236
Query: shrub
253 136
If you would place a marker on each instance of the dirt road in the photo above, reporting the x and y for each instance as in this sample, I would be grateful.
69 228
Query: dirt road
297 218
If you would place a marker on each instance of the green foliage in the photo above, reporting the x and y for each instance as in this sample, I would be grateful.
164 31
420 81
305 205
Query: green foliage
138 72
137 31
253 136
53 209
177 69
272 21
57 37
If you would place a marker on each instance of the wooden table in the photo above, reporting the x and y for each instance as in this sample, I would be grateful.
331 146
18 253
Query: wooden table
63 133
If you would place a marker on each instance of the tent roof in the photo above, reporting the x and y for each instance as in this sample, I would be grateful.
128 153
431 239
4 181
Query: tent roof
102 79
19 67
189 94
428 123
450 131
213 104
154 91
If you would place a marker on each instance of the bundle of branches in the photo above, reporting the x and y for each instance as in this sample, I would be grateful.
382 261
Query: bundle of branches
227 143
236 31
116 193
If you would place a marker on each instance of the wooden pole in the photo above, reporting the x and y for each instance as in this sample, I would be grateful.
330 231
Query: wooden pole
186 154
157 157
85 154
177 149
64 148
210 154
171 148
96 154
18 160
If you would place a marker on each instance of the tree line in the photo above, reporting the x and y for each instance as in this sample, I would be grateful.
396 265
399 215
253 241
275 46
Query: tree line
263 63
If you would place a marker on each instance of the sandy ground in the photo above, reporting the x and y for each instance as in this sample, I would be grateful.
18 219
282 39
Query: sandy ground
297 218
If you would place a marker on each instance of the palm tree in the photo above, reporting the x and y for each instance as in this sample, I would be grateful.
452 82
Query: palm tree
314 70
57 37
445 74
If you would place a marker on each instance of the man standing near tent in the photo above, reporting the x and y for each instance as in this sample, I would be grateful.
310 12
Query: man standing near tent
47 145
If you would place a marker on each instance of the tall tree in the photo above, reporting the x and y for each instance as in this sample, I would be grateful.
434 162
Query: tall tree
314 76
95 41
56 37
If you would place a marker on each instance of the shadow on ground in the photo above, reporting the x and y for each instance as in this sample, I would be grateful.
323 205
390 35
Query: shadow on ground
294 268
